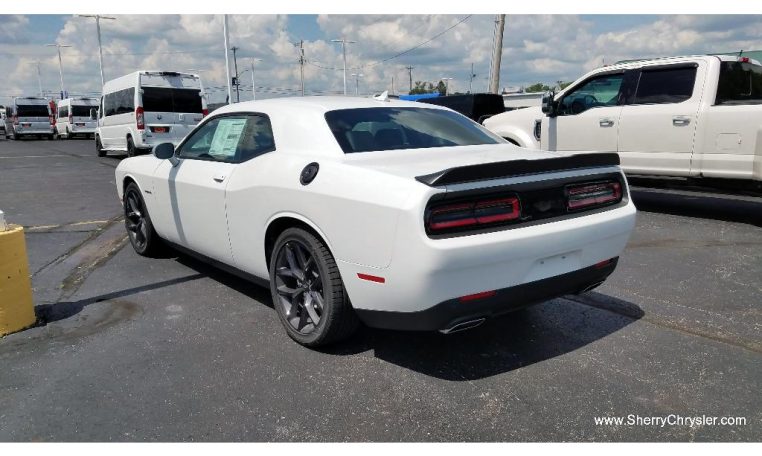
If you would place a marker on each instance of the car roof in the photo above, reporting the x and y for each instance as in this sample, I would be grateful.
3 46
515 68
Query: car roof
321 104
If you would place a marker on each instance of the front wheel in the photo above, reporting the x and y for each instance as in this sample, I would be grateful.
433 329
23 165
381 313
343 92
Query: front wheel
143 237
307 291
131 152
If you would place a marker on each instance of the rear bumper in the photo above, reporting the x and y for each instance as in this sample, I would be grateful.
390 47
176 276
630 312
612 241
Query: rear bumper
449 313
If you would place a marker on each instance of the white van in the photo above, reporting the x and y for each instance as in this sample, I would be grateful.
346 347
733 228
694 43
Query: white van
146 108
30 116
73 117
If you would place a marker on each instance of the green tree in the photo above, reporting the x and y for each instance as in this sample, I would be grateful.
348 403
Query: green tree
562 85
537 87
441 88
422 87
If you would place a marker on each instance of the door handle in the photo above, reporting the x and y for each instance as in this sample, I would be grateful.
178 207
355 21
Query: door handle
219 178
681 121
606 123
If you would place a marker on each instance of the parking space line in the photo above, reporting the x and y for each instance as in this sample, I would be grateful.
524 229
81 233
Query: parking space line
37 156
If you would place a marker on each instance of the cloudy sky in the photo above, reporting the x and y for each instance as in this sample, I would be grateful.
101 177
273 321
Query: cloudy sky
536 48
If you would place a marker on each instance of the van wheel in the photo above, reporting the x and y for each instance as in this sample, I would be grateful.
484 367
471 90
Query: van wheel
99 147
130 147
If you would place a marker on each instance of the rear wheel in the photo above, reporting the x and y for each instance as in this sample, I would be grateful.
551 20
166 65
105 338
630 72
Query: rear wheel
307 290
99 147
143 237
131 151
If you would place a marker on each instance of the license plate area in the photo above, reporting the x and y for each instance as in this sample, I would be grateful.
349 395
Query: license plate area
160 129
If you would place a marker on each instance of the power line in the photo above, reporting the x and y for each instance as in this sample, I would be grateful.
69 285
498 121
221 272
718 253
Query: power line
399 54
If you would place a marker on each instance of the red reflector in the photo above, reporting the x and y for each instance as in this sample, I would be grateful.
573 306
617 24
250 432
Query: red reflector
371 278
475 296
602 264
744 60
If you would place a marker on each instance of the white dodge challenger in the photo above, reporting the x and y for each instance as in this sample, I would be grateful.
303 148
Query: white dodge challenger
396 214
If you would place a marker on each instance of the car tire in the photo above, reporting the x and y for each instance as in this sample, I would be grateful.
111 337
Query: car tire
301 261
131 151
99 147
138 223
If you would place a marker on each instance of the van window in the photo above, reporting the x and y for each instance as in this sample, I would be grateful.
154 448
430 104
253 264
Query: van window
81 111
62 112
165 99
665 85
120 102
32 110
740 83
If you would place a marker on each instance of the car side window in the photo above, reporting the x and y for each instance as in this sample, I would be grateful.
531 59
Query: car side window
665 85
232 139
600 91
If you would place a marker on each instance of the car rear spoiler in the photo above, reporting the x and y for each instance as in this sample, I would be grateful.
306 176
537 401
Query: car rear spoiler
487 171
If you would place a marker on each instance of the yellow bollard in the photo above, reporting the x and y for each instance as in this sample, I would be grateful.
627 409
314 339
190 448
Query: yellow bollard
16 306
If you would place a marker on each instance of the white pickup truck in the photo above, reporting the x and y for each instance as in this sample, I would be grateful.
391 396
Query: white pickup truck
696 116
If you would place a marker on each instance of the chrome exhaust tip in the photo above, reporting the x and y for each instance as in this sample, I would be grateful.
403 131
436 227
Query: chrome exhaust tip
462 326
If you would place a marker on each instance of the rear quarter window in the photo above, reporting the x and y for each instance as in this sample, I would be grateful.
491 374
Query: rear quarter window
739 83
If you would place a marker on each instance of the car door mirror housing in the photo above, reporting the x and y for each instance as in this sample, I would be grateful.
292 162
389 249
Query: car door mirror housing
548 104
164 151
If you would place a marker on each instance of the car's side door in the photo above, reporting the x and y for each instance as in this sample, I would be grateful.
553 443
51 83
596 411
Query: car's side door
190 193
658 122
587 116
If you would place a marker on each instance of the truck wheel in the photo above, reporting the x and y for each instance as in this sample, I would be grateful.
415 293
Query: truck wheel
307 291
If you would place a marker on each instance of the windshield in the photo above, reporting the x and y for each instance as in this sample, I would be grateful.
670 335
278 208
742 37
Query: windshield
740 83
32 110
81 111
377 129
165 99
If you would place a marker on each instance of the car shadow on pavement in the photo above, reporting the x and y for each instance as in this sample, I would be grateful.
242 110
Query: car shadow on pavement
516 340
715 207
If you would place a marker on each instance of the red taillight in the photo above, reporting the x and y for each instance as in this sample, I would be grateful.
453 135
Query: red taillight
140 118
586 195
474 213
476 296
52 120
204 112
744 60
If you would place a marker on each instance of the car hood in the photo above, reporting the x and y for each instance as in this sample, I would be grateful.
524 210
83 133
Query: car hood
418 162
518 117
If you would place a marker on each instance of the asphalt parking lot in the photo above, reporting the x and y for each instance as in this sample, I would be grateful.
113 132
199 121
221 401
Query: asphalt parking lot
134 349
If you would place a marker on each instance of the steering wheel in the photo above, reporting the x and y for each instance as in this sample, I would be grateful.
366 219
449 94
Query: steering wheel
590 100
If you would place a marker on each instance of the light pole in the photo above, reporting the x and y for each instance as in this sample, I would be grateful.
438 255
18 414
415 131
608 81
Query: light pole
447 84
344 42
60 64
254 87
237 82
227 57
357 77
98 18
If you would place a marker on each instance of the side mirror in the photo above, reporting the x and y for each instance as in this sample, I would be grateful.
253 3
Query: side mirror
164 151
549 104
93 114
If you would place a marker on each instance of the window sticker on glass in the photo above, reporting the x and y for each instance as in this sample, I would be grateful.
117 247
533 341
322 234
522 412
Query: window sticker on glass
226 137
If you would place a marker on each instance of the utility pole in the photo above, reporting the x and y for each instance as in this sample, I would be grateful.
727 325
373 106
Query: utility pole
357 77
471 79
301 61
344 43
497 53
410 73
227 56
392 85
98 18
60 65
237 82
